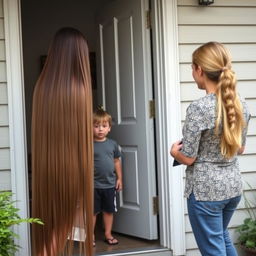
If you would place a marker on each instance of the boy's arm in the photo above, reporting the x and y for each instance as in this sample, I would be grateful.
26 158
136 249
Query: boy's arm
118 168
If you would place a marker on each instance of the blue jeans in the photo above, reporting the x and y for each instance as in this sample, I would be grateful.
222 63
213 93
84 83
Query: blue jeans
209 221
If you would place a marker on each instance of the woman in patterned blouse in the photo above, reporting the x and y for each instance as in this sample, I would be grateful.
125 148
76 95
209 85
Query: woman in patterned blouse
213 134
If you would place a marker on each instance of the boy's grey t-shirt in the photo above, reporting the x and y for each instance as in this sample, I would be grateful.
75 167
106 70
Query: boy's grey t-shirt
104 168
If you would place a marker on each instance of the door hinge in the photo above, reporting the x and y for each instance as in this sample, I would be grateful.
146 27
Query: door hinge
155 205
148 19
152 109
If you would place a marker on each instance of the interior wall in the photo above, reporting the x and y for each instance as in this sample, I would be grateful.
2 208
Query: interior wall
40 21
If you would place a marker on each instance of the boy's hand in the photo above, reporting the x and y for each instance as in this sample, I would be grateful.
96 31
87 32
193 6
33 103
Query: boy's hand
118 168
119 185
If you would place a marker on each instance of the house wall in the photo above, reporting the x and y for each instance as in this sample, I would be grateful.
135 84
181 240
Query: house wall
233 23
5 173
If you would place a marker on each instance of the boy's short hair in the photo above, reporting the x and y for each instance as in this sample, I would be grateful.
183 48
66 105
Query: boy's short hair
100 115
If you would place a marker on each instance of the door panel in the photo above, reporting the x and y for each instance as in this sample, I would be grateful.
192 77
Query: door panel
126 84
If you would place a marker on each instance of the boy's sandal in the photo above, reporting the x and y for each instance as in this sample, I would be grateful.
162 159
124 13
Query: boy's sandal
111 241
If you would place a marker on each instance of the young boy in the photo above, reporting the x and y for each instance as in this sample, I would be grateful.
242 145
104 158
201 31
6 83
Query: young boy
107 172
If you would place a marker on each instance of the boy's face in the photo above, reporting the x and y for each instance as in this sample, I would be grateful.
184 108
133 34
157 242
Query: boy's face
101 130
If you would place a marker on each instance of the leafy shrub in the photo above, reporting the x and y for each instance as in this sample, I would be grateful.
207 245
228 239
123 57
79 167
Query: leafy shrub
8 218
247 233
247 230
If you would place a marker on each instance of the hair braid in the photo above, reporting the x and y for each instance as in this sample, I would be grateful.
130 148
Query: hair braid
229 110
228 97
215 61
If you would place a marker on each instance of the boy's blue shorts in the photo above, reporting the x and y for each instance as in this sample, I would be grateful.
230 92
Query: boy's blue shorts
105 200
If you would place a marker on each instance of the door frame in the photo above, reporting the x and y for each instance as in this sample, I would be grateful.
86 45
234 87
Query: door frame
168 121
17 123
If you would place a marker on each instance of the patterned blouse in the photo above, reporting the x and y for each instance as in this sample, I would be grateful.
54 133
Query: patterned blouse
211 177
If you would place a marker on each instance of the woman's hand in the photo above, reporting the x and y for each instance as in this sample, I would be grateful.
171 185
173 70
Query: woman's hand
241 150
176 154
176 147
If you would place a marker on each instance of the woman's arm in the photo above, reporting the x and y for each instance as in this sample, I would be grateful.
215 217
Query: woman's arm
176 154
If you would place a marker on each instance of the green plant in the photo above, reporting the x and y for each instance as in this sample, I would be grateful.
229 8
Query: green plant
8 218
247 230
247 233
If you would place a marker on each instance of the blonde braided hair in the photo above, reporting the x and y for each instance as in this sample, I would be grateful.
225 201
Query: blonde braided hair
215 61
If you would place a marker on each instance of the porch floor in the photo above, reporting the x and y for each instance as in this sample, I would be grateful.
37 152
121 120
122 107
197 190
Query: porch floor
126 243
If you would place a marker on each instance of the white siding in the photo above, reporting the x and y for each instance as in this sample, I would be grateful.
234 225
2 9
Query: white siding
233 23
5 174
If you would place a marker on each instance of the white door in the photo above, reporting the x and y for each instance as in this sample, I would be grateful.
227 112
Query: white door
126 87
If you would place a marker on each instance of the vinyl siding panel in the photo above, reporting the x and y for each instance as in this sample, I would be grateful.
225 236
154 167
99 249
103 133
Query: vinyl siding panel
5 181
4 159
2 50
233 23
247 163
1 26
239 52
3 93
252 126
247 90
244 71
3 115
2 71
5 173
233 15
222 33
4 138
1 9
226 3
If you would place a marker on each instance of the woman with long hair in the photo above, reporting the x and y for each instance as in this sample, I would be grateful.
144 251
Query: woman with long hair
213 134
62 148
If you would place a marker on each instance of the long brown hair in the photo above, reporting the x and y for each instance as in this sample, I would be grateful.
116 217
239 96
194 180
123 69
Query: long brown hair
215 61
62 148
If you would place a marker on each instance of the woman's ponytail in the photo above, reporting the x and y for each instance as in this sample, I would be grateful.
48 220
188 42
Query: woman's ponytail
229 114
215 61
